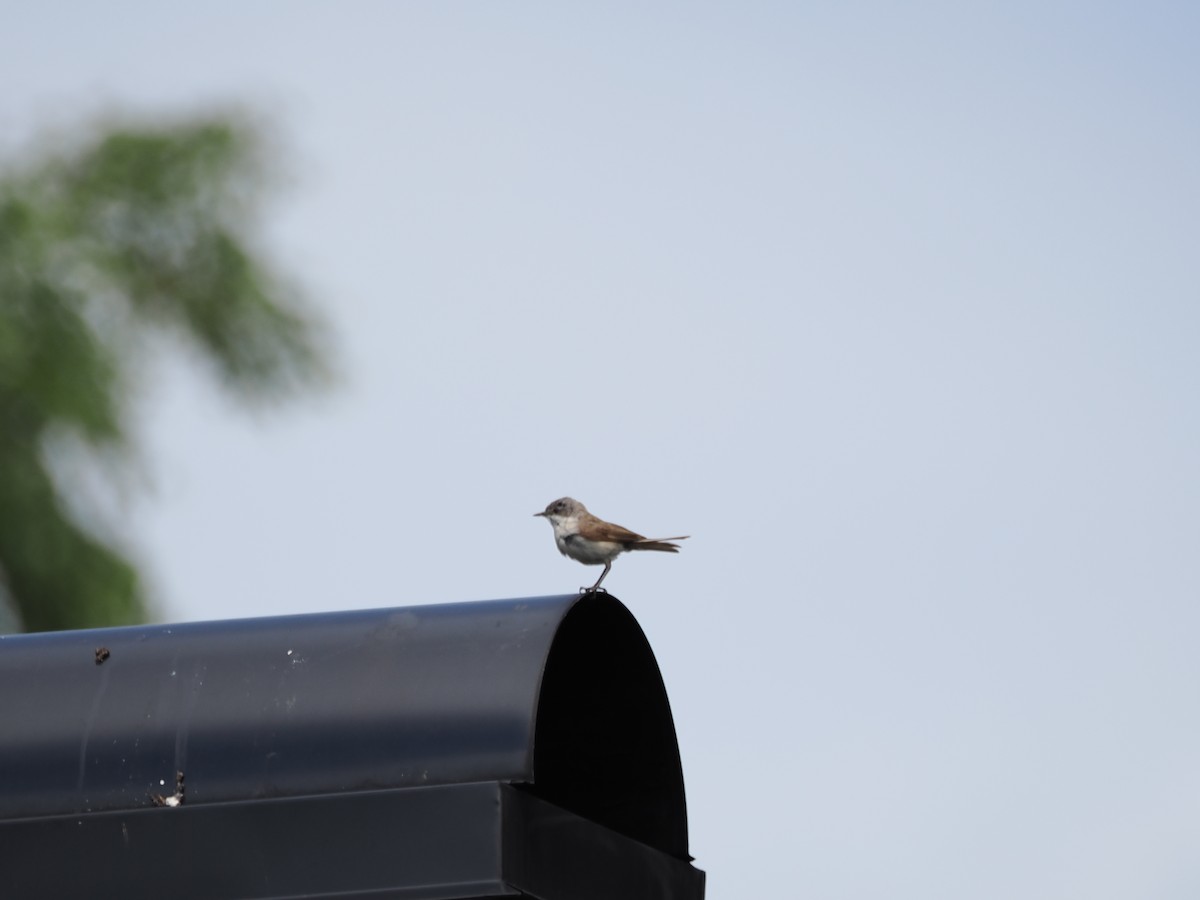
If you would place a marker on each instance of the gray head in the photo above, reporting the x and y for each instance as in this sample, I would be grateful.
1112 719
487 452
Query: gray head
563 508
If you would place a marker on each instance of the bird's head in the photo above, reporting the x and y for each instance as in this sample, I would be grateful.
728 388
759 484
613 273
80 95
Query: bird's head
563 508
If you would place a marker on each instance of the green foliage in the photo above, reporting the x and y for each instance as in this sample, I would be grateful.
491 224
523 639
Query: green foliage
133 237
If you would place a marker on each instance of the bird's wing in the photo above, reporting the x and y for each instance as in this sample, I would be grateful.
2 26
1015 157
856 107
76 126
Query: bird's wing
599 530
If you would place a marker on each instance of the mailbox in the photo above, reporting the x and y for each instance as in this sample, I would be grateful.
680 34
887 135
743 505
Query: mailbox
500 748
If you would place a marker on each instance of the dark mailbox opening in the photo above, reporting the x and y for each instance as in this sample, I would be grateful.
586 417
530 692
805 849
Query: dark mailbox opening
515 747
605 745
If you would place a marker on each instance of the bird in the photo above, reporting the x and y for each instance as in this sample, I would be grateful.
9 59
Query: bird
592 541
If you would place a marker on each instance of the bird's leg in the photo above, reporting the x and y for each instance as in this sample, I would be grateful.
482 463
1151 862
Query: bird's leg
595 588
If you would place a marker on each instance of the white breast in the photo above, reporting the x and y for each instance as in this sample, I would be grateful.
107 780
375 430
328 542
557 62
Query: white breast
590 553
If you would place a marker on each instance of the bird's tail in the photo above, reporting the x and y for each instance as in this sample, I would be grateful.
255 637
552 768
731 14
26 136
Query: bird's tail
658 544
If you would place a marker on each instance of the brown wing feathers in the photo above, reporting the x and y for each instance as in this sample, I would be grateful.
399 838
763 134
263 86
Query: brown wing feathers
595 529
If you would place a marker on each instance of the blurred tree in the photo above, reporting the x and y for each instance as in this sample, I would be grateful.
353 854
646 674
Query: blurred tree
133 237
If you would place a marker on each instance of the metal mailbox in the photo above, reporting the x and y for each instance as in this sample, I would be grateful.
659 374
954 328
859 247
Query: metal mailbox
500 748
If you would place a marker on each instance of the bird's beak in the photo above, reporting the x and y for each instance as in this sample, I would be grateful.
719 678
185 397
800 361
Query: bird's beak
539 514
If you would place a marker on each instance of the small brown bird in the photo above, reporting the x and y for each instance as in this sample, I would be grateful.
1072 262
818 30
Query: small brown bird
592 541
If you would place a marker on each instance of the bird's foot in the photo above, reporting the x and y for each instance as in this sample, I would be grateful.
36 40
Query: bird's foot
593 590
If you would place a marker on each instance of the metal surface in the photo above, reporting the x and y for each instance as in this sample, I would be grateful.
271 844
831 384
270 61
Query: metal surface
453 841
559 693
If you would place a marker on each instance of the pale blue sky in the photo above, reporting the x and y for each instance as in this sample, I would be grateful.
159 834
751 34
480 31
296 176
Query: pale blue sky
894 307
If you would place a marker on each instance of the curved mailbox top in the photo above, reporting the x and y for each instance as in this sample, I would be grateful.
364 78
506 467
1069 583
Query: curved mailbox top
559 693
